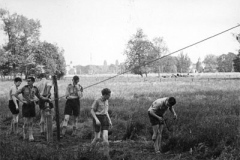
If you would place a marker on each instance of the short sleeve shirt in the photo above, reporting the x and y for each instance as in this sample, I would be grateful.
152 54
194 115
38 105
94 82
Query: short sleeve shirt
28 93
100 107
12 91
72 90
159 106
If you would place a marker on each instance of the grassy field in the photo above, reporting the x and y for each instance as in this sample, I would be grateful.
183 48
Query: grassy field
207 126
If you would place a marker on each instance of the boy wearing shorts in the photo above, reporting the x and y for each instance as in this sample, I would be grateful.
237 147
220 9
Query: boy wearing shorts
156 113
14 105
28 108
44 87
101 120
74 93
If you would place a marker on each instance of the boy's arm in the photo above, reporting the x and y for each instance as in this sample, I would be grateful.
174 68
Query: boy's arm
80 91
16 95
109 119
110 122
13 90
67 93
94 105
49 87
173 112
40 96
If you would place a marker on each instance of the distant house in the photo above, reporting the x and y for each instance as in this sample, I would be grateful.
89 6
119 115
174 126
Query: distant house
71 70
192 68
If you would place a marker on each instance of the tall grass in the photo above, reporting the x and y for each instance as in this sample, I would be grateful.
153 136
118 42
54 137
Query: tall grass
208 113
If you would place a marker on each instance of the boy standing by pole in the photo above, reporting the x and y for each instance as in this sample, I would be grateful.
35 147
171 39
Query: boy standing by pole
44 87
14 104
101 120
155 113
74 93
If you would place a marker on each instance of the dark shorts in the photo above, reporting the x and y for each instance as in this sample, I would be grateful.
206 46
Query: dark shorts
72 107
104 123
153 120
12 107
42 104
28 110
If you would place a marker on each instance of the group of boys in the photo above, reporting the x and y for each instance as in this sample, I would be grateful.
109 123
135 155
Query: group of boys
30 95
74 92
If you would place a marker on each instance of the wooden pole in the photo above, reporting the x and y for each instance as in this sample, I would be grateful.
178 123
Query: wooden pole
56 105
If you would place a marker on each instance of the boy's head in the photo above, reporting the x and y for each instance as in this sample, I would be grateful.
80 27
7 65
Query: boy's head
75 79
106 93
17 81
171 101
30 80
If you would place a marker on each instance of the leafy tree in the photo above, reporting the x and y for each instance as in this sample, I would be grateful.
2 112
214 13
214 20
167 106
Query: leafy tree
236 62
51 57
22 34
161 49
183 63
139 52
167 65
225 62
210 62
5 68
199 67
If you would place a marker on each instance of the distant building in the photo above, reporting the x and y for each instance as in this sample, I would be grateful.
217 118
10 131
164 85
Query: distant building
71 70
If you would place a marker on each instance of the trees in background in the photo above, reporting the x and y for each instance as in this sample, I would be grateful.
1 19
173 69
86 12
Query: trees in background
236 62
210 62
24 53
199 67
225 62
139 52
160 48
183 63
142 54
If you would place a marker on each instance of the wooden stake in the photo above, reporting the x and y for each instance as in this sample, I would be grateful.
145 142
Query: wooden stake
56 106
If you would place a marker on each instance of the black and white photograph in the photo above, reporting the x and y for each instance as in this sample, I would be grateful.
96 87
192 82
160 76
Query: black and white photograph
119 80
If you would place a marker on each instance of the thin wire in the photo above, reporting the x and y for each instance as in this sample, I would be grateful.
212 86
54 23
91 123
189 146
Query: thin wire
160 57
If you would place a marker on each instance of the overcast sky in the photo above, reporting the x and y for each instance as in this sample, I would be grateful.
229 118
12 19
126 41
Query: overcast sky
91 31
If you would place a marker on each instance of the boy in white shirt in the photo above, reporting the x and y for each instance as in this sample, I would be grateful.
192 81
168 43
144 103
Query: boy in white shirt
14 104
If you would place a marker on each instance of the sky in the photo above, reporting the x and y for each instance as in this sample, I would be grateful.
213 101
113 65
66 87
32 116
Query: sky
92 31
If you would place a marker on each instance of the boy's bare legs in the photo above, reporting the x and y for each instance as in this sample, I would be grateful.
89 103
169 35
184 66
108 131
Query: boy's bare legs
30 127
25 127
75 120
15 123
106 144
65 123
155 137
42 121
95 140
159 137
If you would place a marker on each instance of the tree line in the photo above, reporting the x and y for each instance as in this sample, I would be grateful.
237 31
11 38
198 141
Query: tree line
142 54
23 53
